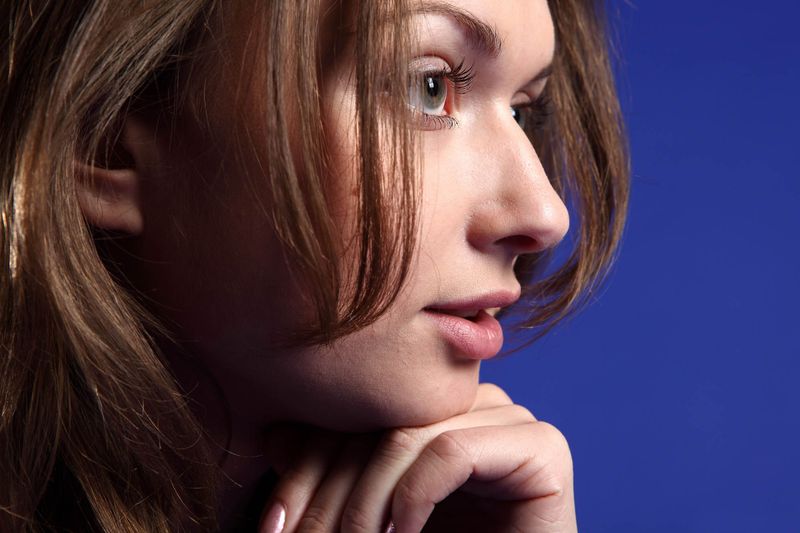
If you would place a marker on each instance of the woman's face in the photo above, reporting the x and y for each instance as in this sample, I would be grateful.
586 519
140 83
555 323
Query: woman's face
485 200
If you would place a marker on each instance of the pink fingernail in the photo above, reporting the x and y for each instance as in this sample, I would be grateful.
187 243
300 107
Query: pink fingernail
390 528
275 520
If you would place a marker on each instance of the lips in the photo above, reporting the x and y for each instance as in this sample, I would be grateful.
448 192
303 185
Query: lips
468 326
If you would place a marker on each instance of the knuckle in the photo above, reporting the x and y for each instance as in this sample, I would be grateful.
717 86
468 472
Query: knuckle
552 483
294 476
554 436
400 442
494 393
558 468
407 495
521 412
315 520
447 447
294 489
355 520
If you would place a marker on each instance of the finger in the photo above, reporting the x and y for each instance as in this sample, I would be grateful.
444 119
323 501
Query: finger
368 507
299 481
324 512
529 462
490 395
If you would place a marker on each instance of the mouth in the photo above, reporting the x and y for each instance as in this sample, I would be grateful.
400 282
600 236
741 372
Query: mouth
468 314
471 306
469 325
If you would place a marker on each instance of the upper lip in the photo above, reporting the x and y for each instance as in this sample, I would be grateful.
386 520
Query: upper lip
470 306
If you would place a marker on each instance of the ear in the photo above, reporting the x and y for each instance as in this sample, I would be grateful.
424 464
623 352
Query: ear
109 188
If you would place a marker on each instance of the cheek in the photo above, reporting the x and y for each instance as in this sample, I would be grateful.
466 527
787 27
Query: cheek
212 259
339 121
342 185
445 196
376 379
342 193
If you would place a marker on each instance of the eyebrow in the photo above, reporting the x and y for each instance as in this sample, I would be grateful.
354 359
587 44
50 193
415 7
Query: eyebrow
481 36
543 74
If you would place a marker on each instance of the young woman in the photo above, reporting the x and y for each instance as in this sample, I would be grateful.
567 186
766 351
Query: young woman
253 254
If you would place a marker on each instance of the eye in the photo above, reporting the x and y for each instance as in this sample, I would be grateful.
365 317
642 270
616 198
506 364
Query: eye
533 116
431 93
518 114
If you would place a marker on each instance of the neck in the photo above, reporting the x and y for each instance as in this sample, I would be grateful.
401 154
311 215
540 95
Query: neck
245 486
236 442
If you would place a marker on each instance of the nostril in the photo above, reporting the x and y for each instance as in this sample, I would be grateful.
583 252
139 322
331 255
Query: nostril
520 244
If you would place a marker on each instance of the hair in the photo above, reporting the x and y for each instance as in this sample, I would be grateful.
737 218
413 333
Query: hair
94 432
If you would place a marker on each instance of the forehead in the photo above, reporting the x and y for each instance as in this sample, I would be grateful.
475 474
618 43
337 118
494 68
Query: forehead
520 29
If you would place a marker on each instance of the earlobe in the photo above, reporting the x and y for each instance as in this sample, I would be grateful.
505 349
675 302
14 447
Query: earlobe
109 191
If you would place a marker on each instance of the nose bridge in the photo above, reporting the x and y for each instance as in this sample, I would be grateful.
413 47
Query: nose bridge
524 212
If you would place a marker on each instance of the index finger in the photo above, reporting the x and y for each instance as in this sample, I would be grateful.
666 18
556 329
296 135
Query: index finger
299 482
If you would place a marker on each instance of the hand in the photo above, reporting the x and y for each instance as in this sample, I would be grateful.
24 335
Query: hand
492 469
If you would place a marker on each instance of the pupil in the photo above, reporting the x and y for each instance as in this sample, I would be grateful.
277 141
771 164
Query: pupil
432 86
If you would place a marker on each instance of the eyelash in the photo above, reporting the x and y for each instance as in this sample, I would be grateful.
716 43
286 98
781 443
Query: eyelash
461 77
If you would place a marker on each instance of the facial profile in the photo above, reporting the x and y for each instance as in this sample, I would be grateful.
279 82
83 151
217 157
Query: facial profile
485 198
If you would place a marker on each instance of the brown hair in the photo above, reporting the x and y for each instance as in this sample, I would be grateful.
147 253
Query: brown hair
87 407
583 149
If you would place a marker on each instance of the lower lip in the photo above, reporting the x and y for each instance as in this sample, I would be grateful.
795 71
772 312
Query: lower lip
481 338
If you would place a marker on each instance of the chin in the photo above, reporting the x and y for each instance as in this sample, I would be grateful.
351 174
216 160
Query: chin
418 406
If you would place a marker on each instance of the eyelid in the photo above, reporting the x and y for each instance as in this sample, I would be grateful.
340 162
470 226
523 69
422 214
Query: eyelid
427 63
522 99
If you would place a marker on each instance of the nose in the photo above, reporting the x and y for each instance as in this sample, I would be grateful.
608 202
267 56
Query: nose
520 212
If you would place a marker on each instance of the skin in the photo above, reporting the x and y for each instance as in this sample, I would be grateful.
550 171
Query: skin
389 420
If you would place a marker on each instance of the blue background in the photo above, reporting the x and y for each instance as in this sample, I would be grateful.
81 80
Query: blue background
679 387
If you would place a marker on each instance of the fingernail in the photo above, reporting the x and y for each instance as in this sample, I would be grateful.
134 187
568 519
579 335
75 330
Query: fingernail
274 520
390 528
